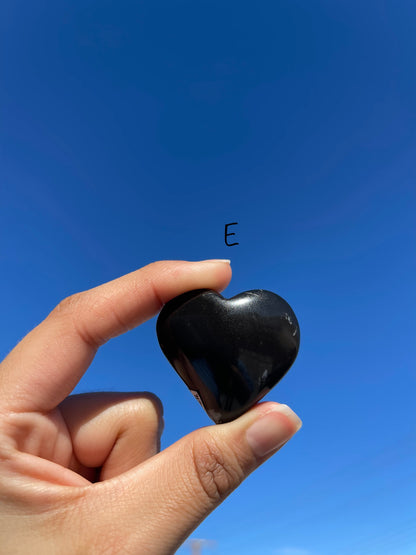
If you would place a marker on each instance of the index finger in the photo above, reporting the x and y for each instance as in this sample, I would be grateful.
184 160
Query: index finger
47 364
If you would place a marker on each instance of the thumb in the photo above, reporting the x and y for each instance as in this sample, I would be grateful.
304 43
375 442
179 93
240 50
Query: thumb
165 499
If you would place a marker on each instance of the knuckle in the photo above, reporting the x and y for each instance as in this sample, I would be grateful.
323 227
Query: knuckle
70 311
155 269
144 413
152 406
148 409
79 309
154 266
217 469
169 269
175 271
68 305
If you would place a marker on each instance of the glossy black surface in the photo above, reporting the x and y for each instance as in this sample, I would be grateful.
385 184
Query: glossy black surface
229 352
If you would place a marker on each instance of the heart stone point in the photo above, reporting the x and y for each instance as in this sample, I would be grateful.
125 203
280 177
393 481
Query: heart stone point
229 352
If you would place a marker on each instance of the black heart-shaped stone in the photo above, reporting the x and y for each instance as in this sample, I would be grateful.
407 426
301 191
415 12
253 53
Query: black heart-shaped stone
229 352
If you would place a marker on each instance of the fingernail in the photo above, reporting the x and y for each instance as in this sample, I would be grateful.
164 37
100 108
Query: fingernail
271 431
225 260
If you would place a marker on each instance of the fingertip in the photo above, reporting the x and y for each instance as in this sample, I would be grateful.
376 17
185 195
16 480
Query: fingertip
273 427
187 275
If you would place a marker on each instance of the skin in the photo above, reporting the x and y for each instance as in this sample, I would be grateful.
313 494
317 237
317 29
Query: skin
83 474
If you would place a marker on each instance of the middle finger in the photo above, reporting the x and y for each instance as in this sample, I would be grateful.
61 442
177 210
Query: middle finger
113 432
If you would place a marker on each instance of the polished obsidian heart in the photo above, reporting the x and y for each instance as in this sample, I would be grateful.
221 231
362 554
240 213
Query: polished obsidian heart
229 352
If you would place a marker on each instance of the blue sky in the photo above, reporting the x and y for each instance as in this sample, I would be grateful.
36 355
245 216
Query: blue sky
134 131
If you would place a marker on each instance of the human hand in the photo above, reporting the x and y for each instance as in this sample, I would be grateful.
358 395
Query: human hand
83 474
